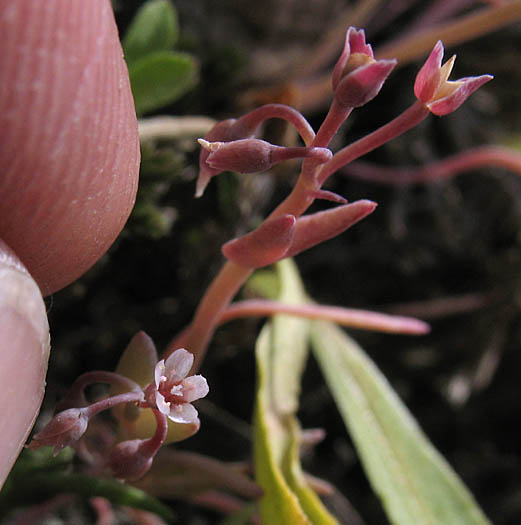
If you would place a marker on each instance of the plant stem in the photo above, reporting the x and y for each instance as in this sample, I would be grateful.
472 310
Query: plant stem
402 123
255 118
362 319
110 402
484 156
462 29
232 276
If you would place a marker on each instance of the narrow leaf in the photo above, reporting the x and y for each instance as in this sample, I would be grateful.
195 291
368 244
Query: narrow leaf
281 353
153 28
42 486
160 79
415 483
279 505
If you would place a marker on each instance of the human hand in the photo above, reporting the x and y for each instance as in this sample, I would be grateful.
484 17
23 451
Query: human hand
69 161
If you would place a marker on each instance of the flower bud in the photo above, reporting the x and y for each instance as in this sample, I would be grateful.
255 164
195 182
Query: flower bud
219 132
363 83
130 460
440 95
63 430
254 155
355 53
357 77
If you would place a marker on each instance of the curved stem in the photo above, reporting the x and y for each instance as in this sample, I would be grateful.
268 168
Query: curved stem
232 276
152 445
402 123
102 376
494 156
110 402
255 118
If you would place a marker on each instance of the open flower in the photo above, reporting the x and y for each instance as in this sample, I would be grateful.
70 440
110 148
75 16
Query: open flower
173 391
440 95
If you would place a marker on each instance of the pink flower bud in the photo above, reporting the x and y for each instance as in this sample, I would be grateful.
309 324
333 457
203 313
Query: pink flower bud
63 430
220 132
130 460
440 95
357 77
355 53
241 156
363 83
263 246
254 155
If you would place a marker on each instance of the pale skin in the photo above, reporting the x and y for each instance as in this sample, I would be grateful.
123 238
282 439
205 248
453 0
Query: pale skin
69 160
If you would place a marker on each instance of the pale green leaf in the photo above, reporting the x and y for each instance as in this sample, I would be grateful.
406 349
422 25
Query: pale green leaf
281 353
279 505
160 79
153 28
415 483
290 345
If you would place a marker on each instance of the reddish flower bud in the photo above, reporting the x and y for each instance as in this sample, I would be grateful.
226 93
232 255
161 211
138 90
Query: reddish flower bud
357 77
363 84
220 132
130 460
63 430
433 88
355 53
265 245
254 155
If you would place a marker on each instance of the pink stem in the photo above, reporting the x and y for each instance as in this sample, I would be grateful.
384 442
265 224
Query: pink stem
153 444
354 318
110 402
103 377
495 156
232 276
256 117
402 123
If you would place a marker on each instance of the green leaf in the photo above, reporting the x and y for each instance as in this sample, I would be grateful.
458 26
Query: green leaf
153 28
42 486
281 353
415 483
160 79
279 505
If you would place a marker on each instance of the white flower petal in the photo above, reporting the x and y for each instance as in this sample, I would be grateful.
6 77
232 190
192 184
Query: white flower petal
194 387
161 404
159 371
178 364
184 413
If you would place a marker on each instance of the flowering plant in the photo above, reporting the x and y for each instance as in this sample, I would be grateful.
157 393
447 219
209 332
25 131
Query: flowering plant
151 396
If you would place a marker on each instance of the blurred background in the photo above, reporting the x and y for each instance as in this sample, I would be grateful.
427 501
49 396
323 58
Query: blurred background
448 252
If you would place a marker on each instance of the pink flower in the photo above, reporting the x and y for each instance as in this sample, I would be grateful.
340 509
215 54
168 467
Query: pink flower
440 95
174 392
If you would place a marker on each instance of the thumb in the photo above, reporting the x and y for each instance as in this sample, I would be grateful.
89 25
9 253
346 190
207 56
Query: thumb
24 338
69 153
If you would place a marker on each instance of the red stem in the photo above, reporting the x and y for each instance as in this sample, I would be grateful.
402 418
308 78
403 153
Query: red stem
354 318
495 156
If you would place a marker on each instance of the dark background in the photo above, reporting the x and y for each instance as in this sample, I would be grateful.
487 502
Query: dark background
424 243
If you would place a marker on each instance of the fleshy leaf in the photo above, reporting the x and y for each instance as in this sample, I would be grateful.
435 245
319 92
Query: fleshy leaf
161 78
153 28
281 353
415 483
